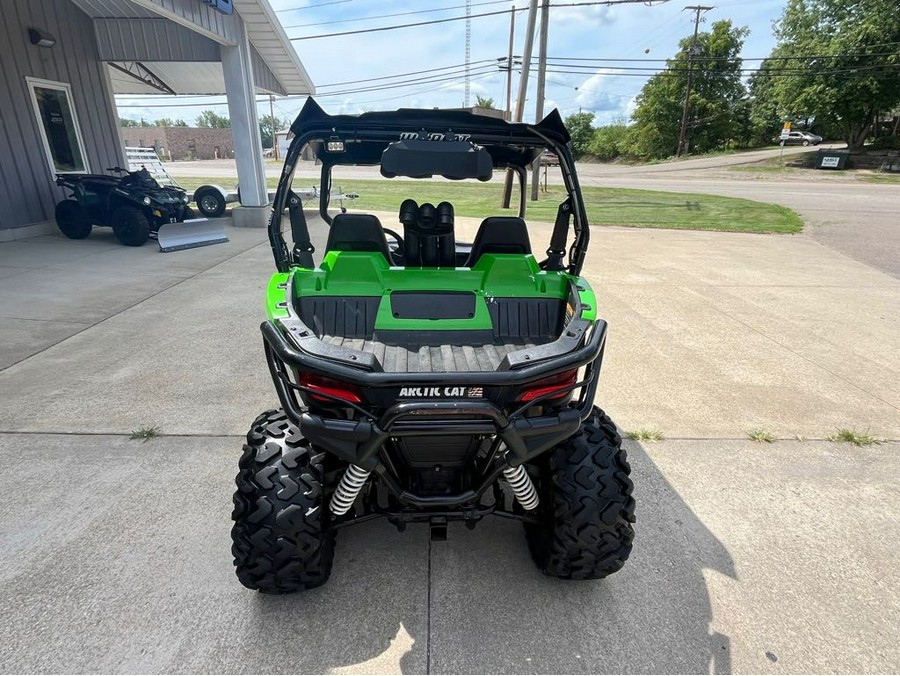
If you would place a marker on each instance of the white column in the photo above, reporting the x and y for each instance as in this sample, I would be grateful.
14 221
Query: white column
241 92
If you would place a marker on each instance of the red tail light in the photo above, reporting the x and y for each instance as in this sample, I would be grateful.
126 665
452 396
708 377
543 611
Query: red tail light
331 387
561 383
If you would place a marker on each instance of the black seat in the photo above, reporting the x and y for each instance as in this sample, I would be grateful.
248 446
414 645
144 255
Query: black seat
358 232
500 235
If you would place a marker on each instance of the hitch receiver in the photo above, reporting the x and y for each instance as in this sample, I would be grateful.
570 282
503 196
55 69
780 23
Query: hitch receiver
437 527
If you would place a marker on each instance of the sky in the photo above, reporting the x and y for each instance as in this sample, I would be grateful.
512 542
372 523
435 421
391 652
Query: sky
625 31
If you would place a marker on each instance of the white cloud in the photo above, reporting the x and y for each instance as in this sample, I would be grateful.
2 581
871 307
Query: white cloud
593 16
594 95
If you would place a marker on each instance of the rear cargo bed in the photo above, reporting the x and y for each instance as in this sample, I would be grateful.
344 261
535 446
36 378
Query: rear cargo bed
413 358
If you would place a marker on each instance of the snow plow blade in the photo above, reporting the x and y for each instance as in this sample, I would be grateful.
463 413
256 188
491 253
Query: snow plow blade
189 234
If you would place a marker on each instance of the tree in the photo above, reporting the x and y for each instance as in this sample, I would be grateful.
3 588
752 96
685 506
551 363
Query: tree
609 142
268 125
484 102
715 97
127 122
169 122
209 118
580 126
837 61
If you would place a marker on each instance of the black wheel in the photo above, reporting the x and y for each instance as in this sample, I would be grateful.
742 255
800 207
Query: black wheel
188 214
131 226
281 540
586 506
805 142
72 220
210 202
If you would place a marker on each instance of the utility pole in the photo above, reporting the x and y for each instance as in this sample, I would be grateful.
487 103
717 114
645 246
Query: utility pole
682 135
523 90
272 120
468 50
509 60
541 88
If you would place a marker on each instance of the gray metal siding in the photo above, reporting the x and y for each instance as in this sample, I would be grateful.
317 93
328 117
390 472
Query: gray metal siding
152 40
113 8
27 191
263 77
197 14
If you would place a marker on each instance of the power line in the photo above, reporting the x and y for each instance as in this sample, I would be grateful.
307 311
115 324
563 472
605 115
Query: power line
414 72
761 72
473 16
321 4
399 26
396 14
700 59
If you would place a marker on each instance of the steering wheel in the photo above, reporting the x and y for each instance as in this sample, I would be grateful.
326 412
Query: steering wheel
395 236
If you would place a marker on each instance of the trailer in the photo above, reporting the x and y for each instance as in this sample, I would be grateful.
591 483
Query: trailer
212 199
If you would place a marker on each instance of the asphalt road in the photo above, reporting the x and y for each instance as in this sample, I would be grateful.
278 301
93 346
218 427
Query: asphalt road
861 220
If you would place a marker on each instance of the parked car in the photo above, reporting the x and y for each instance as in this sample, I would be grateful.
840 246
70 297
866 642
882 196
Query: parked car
549 158
801 138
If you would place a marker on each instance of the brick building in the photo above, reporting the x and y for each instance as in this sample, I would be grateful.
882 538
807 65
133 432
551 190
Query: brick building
181 143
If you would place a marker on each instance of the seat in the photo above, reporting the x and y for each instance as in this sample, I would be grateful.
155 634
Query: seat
358 232
500 235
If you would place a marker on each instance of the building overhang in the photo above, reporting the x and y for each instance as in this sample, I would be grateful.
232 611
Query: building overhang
172 46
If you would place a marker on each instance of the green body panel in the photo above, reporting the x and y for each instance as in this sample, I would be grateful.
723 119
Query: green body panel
587 298
277 296
357 273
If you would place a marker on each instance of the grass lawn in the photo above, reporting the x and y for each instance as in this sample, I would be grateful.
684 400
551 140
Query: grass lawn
879 178
605 206
761 168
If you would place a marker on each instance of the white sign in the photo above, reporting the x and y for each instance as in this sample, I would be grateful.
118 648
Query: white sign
785 134
830 162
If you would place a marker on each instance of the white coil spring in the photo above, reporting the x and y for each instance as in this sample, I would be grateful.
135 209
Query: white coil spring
522 487
348 488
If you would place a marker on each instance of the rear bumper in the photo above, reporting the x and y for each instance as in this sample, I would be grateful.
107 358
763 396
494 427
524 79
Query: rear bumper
517 439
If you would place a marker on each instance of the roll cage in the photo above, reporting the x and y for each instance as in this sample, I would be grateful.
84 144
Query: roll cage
364 137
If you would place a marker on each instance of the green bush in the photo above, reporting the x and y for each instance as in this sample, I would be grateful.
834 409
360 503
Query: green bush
609 142
885 143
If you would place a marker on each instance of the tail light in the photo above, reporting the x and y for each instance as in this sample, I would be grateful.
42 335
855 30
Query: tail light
561 384
330 387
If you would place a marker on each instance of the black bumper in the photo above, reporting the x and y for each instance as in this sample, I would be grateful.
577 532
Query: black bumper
359 440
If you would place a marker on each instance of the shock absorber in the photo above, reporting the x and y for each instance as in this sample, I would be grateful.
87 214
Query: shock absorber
348 488
522 487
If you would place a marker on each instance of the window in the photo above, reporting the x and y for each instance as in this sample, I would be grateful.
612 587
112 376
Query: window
58 124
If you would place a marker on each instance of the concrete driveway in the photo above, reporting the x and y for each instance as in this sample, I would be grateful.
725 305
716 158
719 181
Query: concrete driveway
749 557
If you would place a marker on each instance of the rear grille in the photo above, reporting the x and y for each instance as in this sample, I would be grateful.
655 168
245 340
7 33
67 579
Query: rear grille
428 451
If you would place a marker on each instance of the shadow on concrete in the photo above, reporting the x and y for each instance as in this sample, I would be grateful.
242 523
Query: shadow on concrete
488 610
115 557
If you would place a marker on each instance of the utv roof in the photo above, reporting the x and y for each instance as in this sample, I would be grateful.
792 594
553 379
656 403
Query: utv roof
366 135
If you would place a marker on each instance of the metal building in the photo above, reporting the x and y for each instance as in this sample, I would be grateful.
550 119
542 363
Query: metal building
61 62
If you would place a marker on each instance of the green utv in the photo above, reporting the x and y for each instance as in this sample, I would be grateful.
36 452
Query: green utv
423 379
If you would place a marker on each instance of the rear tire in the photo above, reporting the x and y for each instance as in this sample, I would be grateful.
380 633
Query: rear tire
130 226
210 203
587 509
72 220
281 540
